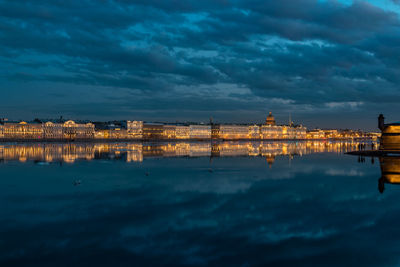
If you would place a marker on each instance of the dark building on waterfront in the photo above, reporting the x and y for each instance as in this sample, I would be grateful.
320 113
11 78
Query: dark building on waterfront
390 139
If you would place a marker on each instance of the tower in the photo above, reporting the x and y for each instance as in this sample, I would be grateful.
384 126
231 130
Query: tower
270 119
381 122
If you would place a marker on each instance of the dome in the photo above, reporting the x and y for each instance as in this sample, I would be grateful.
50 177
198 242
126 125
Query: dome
270 119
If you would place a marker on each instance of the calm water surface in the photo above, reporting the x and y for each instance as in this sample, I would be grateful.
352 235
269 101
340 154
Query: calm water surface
196 204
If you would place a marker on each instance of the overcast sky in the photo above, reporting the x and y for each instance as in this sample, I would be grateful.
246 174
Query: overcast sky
327 63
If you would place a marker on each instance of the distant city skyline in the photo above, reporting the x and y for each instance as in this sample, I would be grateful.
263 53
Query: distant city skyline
330 64
280 120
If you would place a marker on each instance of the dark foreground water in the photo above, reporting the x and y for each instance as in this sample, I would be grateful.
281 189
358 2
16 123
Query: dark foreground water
227 204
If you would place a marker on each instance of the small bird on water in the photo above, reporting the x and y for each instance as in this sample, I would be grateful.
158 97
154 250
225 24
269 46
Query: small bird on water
77 182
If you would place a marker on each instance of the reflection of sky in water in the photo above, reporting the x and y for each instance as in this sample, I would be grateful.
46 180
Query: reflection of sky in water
319 208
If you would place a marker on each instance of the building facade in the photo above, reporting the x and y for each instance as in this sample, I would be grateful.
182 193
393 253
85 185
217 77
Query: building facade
53 130
135 129
270 120
254 132
169 132
182 132
73 130
271 132
117 133
315 134
390 139
153 131
233 132
199 131
283 132
23 130
294 132
215 131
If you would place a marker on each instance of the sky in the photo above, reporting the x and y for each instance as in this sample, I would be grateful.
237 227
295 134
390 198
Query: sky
327 64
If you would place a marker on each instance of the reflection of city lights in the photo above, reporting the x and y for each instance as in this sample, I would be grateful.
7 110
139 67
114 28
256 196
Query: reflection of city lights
136 152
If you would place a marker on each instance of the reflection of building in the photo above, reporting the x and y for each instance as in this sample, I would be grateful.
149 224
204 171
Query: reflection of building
390 170
232 149
200 150
70 152
270 160
390 139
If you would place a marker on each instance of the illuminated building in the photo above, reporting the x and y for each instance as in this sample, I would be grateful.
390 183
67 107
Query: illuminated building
270 120
73 130
215 131
390 139
115 130
233 132
331 133
254 132
23 130
294 132
169 131
153 131
119 133
53 130
315 134
271 132
199 131
283 132
182 132
135 129
69 130
102 134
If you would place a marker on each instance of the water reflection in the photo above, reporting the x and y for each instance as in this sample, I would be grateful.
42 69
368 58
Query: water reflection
136 152
390 171
176 207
